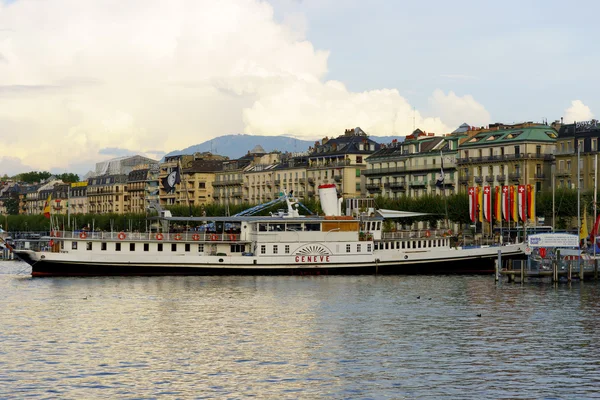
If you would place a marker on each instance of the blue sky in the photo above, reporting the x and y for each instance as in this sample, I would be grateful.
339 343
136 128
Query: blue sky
86 80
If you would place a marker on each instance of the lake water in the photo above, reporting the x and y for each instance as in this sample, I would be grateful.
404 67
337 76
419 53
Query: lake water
296 337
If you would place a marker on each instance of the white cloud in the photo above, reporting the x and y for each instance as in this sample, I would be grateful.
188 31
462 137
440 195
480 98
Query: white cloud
12 166
78 76
455 110
577 112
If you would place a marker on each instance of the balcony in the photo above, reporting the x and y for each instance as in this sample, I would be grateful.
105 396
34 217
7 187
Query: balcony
539 175
501 178
337 178
373 187
277 182
328 164
382 171
419 183
514 176
311 181
464 179
311 193
479 179
397 185
489 179
302 181
563 172
386 185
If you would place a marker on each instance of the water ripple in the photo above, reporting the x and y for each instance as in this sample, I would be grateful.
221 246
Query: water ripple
296 337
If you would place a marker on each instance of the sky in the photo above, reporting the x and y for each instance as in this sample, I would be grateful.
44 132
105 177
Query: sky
85 81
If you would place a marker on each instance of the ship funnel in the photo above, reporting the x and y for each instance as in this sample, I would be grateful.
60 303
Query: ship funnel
331 205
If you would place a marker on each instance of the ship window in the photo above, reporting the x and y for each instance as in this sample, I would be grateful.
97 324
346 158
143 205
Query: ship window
74 245
159 247
387 245
131 246
173 246
88 245
275 249
187 247
419 244
146 246
358 248
434 243
103 246
403 245
201 248
414 245
117 246
287 249
348 248
368 247
293 227
262 227
237 248
263 249
312 227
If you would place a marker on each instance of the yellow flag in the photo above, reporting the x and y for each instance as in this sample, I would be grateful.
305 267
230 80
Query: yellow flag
583 231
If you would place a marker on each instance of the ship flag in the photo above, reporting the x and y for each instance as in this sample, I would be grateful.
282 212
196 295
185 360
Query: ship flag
47 206
171 180
440 181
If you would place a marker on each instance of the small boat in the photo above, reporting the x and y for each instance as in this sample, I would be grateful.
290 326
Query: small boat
282 243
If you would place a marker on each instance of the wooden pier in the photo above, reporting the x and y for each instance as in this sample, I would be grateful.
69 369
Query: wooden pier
555 270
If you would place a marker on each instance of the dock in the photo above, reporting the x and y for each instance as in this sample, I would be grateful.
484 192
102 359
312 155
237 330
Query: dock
554 269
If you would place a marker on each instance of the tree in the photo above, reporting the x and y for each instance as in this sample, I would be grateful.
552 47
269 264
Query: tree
68 177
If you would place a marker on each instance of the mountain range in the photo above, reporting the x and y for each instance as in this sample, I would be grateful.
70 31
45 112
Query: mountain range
236 146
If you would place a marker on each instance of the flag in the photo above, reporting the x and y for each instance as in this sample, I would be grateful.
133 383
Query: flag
583 231
594 231
505 203
479 204
171 180
487 203
522 202
47 206
472 203
514 203
498 204
531 203
440 181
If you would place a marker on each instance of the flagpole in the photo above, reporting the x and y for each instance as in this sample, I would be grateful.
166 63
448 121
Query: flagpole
595 195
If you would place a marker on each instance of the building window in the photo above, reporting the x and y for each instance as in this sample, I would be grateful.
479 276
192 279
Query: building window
263 249
594 144
359 159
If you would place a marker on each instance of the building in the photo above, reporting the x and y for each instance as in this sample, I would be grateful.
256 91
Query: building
197 181
168 195
78 200
501 155
340 161
582 138
123 165
229 182
413 167
107 194
136 190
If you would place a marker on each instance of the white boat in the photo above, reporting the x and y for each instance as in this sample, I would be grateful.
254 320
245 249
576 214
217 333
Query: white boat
281 243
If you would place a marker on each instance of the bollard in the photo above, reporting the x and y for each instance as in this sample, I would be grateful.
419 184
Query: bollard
569 271
522 272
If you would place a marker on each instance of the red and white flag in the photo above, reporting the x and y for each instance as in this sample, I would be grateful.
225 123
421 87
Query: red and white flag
472 203
487 203
522 202
505 203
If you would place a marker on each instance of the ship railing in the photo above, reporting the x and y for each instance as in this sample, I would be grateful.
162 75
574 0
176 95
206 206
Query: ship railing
188 236
415 234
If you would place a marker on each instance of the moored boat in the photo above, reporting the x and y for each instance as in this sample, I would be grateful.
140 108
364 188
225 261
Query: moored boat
281 243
